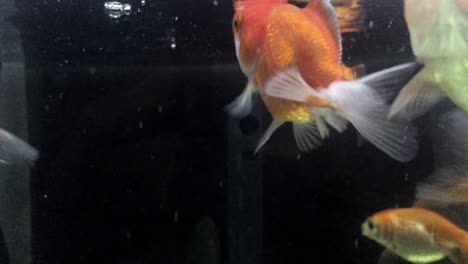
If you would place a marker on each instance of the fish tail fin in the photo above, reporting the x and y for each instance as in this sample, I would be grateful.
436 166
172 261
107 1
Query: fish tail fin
350 14
14 150
418 96
242 105
459 255
358 103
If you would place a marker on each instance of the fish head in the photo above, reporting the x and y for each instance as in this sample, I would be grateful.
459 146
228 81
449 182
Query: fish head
249 26
379 227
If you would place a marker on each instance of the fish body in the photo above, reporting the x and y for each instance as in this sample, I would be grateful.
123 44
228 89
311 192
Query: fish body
418 235
439 39
292 58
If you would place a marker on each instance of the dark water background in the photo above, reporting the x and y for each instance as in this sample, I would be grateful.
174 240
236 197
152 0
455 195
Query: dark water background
135 151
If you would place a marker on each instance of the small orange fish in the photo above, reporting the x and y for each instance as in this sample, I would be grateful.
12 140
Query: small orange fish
292 57
418 235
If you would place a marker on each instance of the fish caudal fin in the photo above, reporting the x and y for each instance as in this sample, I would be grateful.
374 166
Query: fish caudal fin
14 150
354 101
418 96
242 105
307 136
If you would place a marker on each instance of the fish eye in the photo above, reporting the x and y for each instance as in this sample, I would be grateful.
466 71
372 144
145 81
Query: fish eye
371 225
237 23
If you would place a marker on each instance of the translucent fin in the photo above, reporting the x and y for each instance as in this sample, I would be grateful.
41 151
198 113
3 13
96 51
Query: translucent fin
388 257
242 105
388 82
337 122
361 106
14 150
321 126
290 85
307 136
271 129
418 96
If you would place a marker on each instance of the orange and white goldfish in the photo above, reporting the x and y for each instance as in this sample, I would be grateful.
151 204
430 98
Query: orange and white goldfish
439 39
418 235
292 57
14 150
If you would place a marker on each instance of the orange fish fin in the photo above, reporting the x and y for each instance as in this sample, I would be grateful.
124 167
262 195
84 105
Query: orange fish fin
350 14
320 8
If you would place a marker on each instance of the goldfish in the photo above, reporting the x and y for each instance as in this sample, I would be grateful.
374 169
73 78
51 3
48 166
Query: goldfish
291 57
439 40
445 190
14 150
418 235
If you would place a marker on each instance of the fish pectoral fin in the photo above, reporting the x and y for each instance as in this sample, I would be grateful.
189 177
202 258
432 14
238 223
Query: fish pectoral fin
361 106
15 150
307 136
242 105
275 124
290 85
418 96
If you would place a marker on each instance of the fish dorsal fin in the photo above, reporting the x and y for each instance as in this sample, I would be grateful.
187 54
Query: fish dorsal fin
316 9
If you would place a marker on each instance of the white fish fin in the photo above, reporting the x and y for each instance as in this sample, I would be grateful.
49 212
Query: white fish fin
307 136
361 106
15 150
418 96
290 85
275 124
388 82
337 122
321 126
325 7
242 105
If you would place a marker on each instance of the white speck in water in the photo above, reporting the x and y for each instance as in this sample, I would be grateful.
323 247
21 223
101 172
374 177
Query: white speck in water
406 176
371 24
176 216
173 45
139 109
356 243
92 70
390 23
176 18
47 108
66 61
84 50
60 95
128 235
215 3
143 2
45 196
140 124
160 109
299 156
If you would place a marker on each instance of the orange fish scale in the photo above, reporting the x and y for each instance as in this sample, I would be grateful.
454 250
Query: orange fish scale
293 39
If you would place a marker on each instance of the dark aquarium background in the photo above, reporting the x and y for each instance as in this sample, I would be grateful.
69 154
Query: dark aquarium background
141 164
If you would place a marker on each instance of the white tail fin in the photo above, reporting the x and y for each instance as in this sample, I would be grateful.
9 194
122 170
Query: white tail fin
14 150
418 96
356 102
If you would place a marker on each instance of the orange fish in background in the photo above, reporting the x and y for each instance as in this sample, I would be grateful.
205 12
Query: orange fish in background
418 235
292 57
